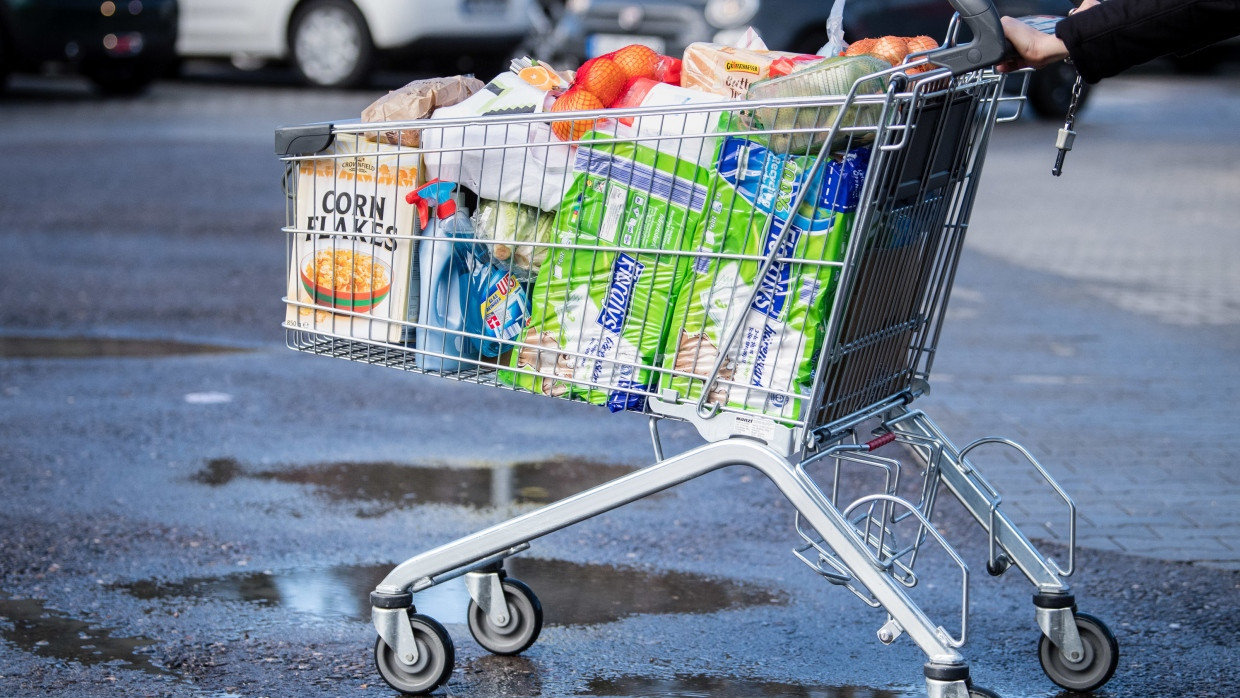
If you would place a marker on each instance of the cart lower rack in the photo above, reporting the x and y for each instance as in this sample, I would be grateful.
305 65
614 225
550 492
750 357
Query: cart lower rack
773 271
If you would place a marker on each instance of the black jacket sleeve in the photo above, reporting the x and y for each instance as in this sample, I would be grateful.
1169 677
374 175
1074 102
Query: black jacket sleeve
1118 34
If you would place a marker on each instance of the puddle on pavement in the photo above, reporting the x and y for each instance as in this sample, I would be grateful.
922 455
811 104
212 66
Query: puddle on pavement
571 593
383 487
218 471
39 630
697 686
97 347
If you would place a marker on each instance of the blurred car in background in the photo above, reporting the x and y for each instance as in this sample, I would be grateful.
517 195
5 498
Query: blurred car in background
587 28
121 46
337 43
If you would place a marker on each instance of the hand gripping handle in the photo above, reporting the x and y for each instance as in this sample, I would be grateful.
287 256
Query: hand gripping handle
988 46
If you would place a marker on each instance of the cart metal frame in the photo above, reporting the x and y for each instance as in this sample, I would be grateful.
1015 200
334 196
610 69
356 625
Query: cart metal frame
928 143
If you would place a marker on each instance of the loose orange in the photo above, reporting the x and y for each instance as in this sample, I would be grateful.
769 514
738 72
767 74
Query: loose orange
576 99
603 78
540 76
637 61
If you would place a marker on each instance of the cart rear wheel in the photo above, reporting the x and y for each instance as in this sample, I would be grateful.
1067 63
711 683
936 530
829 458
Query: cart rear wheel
1096 666
525 619
435 659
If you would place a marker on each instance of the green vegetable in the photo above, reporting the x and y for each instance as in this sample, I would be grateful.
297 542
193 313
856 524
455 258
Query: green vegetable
512 226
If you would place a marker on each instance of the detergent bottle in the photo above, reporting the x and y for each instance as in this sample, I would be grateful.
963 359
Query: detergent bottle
444 273
496 308
465 302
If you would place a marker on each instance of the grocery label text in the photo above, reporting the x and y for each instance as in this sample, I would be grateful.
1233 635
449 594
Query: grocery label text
742 67
358 216
624 275
773 286
764 349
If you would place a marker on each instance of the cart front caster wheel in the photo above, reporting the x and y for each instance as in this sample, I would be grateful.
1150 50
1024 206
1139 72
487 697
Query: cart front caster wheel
525 619
435 659
979 692
1096 666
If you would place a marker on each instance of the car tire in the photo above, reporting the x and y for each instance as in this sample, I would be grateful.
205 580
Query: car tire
1050 91
330 44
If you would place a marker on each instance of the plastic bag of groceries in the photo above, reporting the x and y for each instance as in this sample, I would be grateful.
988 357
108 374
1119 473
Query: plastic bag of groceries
518 162
768 368
600 304
522 235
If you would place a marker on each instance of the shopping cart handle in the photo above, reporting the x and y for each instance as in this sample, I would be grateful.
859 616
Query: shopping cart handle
988 45
307 139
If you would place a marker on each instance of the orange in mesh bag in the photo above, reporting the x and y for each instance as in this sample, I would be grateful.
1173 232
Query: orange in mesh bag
601 81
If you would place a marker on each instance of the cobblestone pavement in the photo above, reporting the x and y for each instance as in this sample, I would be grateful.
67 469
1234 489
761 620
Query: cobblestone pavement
1105 338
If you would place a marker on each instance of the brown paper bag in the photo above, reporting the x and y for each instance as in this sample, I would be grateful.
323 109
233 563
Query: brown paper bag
416 101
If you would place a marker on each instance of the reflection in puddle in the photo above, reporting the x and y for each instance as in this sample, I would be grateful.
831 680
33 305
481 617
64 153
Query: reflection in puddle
571 593
387 486
696 686
39 630
95 347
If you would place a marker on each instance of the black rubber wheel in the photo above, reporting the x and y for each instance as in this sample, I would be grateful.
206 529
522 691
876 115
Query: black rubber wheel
524 622
979 692
1095 668
330 44
436 656
1050 91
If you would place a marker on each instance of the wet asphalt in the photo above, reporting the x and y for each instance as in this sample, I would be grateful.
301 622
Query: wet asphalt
189 508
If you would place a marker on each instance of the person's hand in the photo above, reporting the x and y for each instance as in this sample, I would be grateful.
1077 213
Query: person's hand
1034 49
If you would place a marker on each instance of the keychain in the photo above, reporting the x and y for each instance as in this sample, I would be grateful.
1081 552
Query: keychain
1065 137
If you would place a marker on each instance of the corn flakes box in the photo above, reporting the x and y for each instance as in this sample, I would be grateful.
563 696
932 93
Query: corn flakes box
348 272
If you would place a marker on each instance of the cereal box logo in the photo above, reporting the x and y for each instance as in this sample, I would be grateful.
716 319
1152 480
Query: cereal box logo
624 275
358 166
742 67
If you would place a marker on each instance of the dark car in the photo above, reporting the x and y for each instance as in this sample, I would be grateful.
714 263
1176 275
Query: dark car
585 28
121 46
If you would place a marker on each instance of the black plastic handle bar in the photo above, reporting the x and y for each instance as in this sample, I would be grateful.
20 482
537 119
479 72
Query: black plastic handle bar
988 46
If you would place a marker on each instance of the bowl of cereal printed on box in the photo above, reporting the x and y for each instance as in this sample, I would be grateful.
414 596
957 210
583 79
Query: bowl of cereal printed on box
346 280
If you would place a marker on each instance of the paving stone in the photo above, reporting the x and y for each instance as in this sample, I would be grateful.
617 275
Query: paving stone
1099 345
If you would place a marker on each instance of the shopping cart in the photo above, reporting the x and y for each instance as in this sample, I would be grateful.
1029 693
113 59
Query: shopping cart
774 272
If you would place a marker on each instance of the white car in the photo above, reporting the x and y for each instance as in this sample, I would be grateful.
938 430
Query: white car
336 43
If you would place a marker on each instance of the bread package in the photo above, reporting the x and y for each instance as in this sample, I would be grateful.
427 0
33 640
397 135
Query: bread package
416 101
726 70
